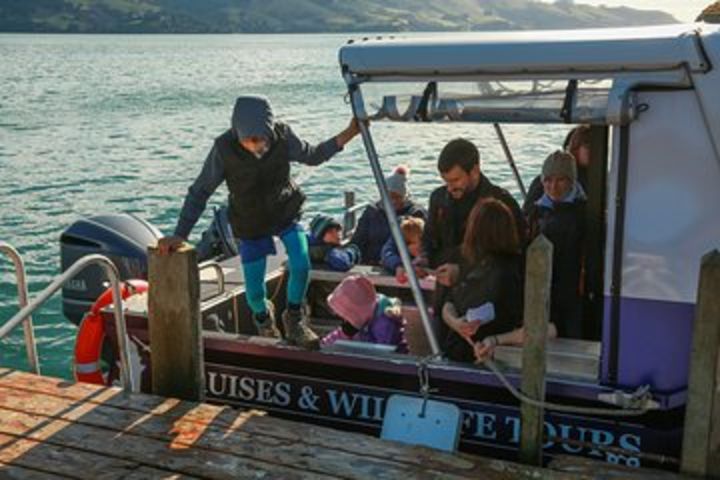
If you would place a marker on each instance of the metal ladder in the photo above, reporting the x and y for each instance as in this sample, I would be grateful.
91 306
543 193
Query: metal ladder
127 376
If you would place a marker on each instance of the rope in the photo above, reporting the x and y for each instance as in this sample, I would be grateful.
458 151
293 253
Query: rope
279 285
424 380
643 400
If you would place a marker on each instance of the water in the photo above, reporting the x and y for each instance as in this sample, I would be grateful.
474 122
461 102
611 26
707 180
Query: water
121 123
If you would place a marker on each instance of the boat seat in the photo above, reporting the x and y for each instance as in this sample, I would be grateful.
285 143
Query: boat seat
566 357
375 274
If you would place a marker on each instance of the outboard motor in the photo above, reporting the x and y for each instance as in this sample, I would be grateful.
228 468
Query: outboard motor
123 238
217 242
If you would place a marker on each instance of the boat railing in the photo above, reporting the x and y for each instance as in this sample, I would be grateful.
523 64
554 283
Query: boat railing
126 375
350 213
219 275
20 279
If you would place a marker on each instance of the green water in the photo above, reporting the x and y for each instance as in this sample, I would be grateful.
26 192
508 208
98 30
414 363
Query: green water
116 123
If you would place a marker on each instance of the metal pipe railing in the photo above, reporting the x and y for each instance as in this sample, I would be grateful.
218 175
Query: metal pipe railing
30 347
219 274
126 375
358 106
510 159
349 215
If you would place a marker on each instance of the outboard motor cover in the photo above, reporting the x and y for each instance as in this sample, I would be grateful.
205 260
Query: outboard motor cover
123 238
217 242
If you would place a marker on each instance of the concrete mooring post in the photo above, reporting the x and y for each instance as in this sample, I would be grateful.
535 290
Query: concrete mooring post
701 433
538 277
174 324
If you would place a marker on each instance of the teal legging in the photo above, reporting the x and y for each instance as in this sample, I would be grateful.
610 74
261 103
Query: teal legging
296 246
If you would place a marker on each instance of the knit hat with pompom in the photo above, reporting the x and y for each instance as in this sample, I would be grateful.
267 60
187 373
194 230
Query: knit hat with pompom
397 181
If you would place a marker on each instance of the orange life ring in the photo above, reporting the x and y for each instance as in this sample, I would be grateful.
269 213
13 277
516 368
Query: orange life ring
88 345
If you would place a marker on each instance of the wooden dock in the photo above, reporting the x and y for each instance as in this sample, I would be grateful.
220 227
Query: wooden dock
52 428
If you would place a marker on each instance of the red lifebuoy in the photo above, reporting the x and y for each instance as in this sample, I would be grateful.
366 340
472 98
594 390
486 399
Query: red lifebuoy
88 345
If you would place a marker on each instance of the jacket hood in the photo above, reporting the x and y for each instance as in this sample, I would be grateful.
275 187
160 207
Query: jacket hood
252 117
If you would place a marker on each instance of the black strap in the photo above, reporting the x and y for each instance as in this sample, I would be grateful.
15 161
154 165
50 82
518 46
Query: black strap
422 111
570 91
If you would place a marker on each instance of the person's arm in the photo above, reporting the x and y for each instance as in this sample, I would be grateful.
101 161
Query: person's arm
302 152
506 298
390 256
342 259
211 176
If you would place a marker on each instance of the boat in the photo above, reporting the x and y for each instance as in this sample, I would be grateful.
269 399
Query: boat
652 98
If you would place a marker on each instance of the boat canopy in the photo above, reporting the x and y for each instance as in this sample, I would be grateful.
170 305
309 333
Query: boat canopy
537 53
570 76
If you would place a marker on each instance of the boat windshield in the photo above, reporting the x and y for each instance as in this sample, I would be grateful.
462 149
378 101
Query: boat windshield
549 101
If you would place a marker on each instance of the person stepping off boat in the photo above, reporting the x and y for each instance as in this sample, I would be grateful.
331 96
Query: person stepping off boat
253 158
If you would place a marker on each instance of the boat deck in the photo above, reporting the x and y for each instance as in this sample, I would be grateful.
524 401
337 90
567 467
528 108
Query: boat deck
52 428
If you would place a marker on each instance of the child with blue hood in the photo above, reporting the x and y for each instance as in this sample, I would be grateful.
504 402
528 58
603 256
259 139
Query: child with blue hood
253 158
559 214
326 249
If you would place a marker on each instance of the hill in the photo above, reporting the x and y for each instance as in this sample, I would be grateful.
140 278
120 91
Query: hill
297 16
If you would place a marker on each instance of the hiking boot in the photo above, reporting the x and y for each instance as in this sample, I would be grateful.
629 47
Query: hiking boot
297 332
267 327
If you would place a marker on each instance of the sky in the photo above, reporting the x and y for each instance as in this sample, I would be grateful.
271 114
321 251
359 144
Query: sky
683 10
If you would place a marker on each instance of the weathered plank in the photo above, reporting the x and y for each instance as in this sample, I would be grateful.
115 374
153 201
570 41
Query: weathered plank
35 459
174 324
535 321
182 433
701 436
144 451
14 472
167 438
204 427
253 422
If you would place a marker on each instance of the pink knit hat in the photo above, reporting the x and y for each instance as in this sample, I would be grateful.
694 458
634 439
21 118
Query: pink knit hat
354 300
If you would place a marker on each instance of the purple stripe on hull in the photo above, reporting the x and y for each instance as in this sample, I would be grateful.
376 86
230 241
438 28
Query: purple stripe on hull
654 344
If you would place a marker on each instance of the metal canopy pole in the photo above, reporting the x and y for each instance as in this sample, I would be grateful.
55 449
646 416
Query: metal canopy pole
30 346
510 159
358 109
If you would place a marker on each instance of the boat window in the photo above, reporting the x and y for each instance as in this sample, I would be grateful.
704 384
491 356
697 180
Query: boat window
552 101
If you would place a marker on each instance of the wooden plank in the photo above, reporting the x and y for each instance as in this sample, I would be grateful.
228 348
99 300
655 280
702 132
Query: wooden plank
34 459
193 423
535 321
188 433
226 417
209 430
701 435
13 472
174 324
144 451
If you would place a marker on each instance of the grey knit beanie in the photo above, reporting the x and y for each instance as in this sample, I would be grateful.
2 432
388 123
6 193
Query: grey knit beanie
561 164
397 181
